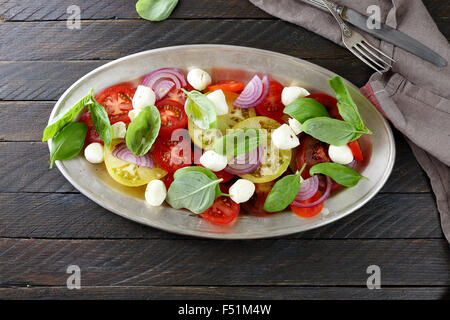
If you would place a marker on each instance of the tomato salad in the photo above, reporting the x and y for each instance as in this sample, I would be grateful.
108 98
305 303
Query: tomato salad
218 146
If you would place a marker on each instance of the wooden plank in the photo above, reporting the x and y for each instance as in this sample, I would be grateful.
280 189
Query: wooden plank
19 10
37 262
246 293
74 216
113 39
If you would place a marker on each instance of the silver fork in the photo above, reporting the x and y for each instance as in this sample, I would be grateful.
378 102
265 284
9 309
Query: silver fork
356 43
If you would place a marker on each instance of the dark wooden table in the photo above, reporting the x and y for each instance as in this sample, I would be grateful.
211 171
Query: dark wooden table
46 225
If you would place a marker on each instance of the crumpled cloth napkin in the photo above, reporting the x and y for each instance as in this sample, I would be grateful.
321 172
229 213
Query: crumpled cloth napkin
414 95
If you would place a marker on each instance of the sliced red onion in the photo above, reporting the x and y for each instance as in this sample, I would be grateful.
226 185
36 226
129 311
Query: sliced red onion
154 79
352 164
122 152
308 188
322 199
254 92
246 163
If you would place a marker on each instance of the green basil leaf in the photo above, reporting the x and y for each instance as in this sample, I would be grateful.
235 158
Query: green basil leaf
180 172
68 143
143 131
343 175
101 122
192 190
200 110
239 141
347 107
303 109
332 131
63 119
155 10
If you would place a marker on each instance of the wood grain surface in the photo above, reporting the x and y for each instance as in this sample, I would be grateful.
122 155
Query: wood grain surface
46 224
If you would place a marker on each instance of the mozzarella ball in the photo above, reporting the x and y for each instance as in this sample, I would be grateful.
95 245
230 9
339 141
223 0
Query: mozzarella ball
213 161
340 154
220 102
295 125
94 152
132 114
155 193
242 190
143 97
290 94
199 79
119 130
284 138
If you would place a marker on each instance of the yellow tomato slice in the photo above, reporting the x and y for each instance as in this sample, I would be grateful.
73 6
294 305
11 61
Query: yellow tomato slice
275 161
127 173
205 139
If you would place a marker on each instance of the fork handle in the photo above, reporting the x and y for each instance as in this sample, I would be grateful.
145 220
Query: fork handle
320 5
334 9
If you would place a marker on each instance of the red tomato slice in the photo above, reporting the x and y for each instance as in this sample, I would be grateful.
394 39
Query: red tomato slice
309 212
92 135
223 211
227 85
173 155
176 95
255 206
328 102
311 151
272 106
168 179
222 175
117 101
172 116
356 150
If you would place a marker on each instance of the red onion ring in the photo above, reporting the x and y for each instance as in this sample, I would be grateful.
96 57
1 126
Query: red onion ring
352 164
254 92
322 199
161 88
308 188
154 78
247 163
122 152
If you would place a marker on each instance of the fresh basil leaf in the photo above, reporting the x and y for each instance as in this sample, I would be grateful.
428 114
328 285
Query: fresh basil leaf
347 107
155 10
332 131
68 143
343 175
143 131
303 109
200 109
101 122
283 192
192 190
180 172
63 119
239 141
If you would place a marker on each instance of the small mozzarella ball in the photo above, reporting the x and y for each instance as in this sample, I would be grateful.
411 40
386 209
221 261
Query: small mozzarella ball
284 138
289 94
220 102
155 193
94 153
242 190
143 97
119 130
132 114
295 125
213 161
199 79
340 154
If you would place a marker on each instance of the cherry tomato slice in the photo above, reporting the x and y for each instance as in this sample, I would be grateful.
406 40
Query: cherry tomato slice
223 211
117 101
255 206
168 179
272 106
172 116
92 135
176 95
356 150
222 175
309 212
172 155
227 85
311 151
328 102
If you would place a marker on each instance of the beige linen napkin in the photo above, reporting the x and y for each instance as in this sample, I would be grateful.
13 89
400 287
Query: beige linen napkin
414 96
